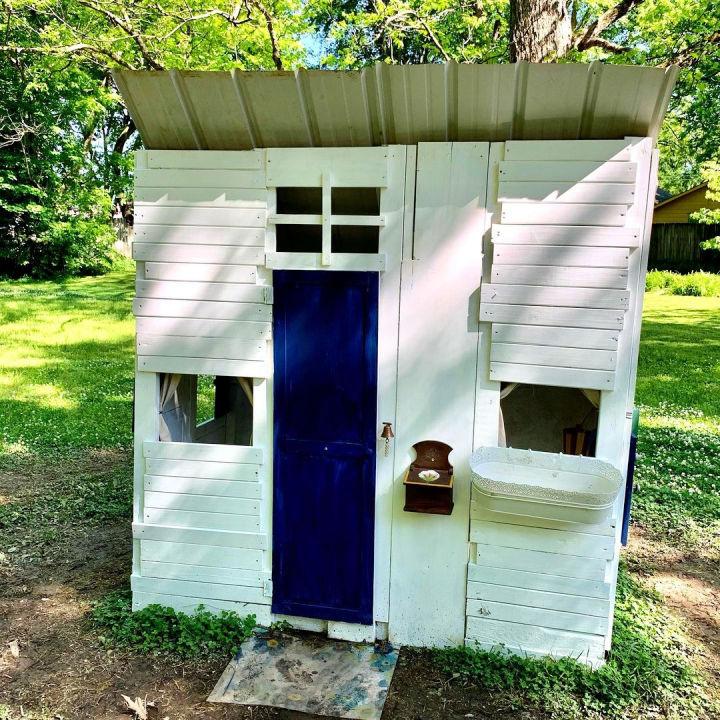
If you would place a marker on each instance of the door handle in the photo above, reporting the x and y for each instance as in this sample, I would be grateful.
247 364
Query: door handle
387 434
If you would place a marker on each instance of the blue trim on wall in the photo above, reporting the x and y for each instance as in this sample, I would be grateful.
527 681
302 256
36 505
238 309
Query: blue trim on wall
325 424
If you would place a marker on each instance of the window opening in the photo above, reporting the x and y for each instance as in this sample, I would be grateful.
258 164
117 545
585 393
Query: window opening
549 419
206 409
298 238
355 201
298 200
355 239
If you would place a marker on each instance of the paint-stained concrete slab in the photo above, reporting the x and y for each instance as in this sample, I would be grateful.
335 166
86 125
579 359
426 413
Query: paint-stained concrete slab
309 674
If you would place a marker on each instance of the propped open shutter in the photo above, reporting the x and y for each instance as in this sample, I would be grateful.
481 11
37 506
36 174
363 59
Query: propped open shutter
562 243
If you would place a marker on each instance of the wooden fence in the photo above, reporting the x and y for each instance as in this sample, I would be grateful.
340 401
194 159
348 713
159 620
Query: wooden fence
677 246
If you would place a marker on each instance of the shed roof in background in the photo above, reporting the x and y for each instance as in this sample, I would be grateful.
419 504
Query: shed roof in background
386 104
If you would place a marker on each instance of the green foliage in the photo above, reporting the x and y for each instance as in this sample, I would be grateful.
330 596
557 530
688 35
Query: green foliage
649 671
677 475
699 284
158 629
66 365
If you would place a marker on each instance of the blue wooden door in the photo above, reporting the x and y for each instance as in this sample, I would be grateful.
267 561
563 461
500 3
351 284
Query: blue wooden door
325 339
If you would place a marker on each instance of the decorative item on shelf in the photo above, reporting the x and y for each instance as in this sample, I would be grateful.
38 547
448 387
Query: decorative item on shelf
429 479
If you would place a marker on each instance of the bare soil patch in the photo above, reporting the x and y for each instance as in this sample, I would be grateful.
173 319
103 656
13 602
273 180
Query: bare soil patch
52 664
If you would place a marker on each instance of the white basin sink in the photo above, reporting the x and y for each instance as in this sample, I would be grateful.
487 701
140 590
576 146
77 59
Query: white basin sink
568 488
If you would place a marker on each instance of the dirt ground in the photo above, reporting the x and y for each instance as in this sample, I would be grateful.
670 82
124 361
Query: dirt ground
52 665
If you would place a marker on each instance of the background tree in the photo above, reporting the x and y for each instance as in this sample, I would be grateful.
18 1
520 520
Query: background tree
65 136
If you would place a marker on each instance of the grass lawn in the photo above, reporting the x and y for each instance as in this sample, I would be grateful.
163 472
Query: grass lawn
66 378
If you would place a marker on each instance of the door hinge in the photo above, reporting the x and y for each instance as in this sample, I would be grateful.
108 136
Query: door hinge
268 588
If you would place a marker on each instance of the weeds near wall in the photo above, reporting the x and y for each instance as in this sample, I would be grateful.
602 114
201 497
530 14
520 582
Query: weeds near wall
158 629
650 670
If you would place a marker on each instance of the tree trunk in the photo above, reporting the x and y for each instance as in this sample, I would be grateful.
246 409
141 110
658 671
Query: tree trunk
539 29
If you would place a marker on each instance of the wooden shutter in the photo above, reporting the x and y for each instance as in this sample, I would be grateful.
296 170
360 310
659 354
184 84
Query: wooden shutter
199 239
559 286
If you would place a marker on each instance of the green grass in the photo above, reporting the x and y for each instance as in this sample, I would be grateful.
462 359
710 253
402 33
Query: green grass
678 392
66 374
66 364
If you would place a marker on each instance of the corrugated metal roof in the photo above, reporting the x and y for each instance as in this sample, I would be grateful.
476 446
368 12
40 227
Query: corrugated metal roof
387 104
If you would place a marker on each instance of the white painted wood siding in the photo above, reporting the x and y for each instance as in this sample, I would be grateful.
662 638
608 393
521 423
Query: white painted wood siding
539 590
201 532
560 285
201 305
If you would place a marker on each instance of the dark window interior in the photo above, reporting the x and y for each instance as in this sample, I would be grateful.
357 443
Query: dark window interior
298 238
355 239
298 200
355 201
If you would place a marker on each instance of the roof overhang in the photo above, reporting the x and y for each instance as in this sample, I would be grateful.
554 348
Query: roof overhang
394 104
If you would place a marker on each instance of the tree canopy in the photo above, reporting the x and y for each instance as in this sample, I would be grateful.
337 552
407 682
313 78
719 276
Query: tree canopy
65 137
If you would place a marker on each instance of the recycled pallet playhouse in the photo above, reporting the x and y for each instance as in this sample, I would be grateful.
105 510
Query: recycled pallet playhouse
361 262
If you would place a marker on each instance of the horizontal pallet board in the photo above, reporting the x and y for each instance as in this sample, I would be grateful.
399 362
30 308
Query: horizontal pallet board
200 272
206 159
539 581
209 470
586 257
213 291
552 316
544 562
368 262
203 366
191 216
201 573
339 220
209 310
215 591
552 619
554 600
206 520
593 150
208 555
201 503
216 254
557 192
532 538
567 171
203 486
177 178
201 536
555 356
182 235
215 197
301 167
574 297
189 604
207 453
185 327
206 347
556 213
534 639
552 375
548 275
480 511
569 337
570 235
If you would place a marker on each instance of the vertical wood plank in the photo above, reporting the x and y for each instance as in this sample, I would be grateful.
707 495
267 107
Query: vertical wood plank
326 218
429 552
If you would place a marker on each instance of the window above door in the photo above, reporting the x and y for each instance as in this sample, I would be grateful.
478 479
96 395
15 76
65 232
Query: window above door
325 209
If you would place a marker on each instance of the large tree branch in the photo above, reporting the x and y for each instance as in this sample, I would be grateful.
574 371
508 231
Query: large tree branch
685 56
269 24
75 49
125 25
590 36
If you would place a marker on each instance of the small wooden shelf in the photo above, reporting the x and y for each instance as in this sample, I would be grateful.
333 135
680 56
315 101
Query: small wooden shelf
430 496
